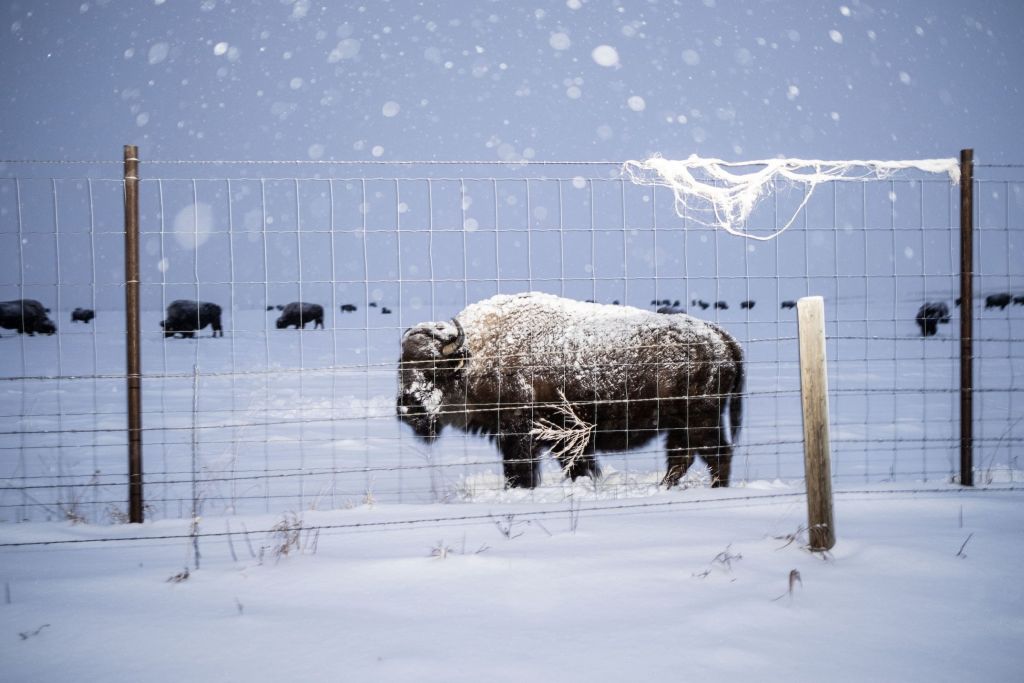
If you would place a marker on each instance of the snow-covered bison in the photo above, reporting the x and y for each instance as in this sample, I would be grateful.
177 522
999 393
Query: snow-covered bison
184 317
27 316
298 314
534 371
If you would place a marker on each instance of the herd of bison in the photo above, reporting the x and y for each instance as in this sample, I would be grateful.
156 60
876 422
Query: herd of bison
185 317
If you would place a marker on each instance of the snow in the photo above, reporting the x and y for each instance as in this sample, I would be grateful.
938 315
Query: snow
695 586
605 55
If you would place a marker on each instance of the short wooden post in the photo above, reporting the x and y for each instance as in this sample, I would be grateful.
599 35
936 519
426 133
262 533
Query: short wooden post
814 401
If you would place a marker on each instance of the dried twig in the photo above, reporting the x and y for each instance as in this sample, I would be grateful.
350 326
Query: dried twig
570 439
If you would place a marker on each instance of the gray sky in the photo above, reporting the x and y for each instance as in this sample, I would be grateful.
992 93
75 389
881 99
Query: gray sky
277 79
484 81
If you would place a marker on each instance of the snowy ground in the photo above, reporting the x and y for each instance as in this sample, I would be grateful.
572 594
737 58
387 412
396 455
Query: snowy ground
413 563
690 585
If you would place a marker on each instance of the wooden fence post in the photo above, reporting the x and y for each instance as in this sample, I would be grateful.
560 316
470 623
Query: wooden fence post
966 317
814 401
131 312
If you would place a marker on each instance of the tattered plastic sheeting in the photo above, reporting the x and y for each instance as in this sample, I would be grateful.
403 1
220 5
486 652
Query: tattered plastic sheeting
733 195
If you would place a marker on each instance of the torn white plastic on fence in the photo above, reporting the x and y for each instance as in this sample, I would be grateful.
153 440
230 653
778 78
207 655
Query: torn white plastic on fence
733 195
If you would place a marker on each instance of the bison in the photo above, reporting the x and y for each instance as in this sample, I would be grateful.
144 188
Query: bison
789 303
82 315
721 305
930 315
1018 301
537 372
348 308
1000 301
27 316
185 317
748 304
298 314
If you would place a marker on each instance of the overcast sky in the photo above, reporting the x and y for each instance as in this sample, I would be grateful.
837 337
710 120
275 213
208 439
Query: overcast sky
485 81
461 79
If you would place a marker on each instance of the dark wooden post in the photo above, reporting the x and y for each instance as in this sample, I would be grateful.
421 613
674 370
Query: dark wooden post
131 310
966 317
814 401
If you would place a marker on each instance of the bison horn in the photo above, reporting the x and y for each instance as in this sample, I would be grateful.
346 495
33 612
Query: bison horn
460 339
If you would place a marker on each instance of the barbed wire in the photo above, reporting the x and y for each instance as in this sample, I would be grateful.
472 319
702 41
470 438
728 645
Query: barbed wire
578 508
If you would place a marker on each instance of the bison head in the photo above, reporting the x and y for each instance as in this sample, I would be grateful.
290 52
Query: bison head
429 372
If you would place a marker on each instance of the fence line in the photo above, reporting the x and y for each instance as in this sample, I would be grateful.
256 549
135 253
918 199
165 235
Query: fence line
317 408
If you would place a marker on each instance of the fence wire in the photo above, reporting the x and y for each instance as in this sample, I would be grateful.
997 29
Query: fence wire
279 419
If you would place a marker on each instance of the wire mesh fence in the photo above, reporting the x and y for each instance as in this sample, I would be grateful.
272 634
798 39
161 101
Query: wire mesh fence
274 417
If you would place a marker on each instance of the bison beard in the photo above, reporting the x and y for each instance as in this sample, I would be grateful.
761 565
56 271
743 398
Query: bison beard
510 363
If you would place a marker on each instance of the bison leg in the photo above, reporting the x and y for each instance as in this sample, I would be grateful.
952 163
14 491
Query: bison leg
583 465
719 460
521 464
705 435
679 457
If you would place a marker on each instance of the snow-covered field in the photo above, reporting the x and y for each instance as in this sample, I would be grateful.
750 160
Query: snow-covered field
406 562
687 585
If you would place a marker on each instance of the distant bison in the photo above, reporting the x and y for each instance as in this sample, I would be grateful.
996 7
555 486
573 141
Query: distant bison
671 309
348 308
789 304
748 304
385 310
1001 300
1018 301
185 317
698 302
27 316
509 366
298 314
930 315
82 315
721 305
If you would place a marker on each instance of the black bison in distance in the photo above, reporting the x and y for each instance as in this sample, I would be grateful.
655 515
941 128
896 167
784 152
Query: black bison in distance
297 314
1000 301
599 377
185 317
27 316
930 315
82 315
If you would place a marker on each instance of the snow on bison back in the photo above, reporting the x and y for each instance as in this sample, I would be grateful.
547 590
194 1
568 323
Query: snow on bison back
538 372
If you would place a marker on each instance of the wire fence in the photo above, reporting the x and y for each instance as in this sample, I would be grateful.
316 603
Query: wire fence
268 419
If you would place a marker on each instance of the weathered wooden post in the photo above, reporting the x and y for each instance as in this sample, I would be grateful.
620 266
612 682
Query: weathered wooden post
131 312
814 401
966 317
